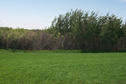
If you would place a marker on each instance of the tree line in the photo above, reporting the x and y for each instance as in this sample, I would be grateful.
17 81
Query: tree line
75 30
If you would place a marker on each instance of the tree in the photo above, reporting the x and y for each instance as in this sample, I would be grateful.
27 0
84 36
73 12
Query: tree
110 31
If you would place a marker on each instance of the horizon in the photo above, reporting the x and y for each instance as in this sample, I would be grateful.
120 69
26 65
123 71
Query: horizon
38 14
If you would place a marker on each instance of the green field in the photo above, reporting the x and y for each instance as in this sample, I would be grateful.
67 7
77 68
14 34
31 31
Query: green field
47 67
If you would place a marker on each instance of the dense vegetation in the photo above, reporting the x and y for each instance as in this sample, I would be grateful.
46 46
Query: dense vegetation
76 30
40 67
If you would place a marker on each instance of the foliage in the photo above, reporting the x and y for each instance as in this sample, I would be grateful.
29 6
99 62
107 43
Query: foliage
74 30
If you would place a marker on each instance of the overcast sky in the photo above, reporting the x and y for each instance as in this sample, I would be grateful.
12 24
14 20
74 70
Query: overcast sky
38 14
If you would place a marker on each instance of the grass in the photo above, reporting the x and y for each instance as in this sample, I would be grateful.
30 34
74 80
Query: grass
53 67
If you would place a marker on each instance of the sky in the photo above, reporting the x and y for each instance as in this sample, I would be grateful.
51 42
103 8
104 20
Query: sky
38 14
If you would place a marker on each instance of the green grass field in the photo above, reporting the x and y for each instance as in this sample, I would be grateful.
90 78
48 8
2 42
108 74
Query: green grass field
47 67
